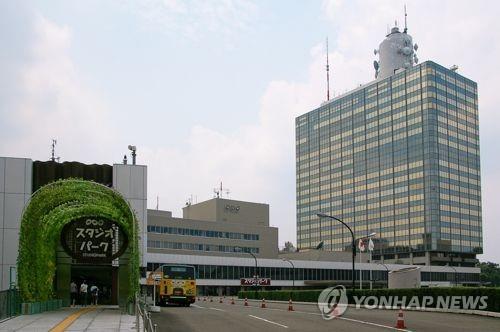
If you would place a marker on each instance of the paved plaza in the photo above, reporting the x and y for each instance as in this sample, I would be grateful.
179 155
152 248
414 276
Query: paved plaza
101 318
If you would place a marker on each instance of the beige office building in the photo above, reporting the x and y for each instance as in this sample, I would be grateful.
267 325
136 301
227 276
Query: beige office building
214 227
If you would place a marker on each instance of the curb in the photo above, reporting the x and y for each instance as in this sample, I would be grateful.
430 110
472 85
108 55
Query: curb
6 319
452 311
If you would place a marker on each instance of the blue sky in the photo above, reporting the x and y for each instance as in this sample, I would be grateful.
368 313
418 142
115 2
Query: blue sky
208 90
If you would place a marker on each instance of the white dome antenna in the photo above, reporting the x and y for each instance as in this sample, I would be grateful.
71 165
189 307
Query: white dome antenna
397 51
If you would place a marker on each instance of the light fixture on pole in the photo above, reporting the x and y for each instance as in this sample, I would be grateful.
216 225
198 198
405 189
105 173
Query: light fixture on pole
353 244
387 270
293 271
256 277
133 148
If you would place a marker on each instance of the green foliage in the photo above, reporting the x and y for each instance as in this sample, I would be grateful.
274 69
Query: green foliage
50 208
312 295
490 273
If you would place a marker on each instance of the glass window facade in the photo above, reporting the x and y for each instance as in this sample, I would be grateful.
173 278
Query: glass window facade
282 273
400 157
201 233
161 244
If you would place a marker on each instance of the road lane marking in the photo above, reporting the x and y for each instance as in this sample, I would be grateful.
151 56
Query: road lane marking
344 318
217 309
268 321
198 306
372 324
65 323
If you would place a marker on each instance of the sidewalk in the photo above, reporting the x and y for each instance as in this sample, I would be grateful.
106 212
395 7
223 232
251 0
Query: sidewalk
100 318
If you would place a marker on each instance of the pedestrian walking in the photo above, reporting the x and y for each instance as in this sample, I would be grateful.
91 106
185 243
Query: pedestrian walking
94 291
84 292
73 292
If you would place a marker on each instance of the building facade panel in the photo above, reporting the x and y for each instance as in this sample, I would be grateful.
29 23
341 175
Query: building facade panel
15 176
15 191
2 175
131 182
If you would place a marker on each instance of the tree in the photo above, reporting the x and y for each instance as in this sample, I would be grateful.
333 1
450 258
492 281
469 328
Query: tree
490 273
289 247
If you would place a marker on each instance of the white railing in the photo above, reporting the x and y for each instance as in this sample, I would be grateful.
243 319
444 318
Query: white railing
143 316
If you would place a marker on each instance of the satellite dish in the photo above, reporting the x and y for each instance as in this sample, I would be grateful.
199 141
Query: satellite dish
415 47
406 50
375 65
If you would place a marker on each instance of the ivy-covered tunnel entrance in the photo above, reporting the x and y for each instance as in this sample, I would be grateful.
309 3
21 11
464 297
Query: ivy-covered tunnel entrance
75 230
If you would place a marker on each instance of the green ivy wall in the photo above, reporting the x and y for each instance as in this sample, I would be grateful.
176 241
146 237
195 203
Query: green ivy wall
50 208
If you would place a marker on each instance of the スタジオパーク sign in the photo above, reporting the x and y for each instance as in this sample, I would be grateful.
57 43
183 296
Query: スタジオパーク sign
255 281
93 239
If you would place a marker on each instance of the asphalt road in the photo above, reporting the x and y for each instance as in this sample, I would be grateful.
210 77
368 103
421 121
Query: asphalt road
224 317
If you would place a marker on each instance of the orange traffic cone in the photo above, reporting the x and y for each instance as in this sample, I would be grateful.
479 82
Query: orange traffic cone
263 305
232 300
246 302
290 305
400 323
220 299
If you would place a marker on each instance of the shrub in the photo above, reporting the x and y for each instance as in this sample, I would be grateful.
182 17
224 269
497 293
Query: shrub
493 294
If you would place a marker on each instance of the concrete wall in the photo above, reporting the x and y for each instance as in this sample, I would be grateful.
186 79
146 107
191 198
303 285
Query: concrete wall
131 182
228 210
15 191
405 278
206 210
267 243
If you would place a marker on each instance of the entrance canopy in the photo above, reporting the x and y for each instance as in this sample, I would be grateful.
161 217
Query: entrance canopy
49 210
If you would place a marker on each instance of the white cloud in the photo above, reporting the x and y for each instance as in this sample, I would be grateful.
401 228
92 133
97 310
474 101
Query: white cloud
256 162
194 19
53 102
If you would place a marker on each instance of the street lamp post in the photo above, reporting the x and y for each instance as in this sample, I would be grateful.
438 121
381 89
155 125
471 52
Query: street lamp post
293 271
455 283
256 281
387 269
353 244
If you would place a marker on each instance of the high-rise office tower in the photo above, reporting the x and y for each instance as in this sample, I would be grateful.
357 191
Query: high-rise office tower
398 156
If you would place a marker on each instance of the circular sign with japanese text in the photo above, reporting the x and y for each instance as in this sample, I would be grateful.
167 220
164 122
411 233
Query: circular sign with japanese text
93 240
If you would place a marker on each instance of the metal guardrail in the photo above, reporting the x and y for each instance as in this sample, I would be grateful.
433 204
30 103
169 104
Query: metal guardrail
10 303
142 314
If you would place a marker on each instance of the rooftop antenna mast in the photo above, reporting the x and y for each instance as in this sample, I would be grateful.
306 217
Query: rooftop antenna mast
219 191
53 151
327 73
406 24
